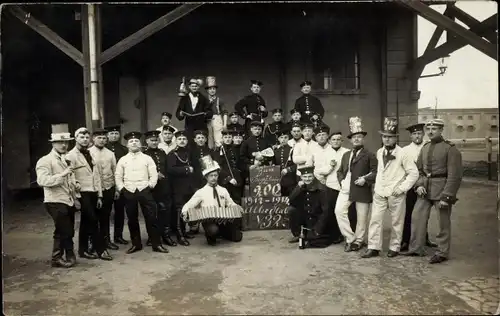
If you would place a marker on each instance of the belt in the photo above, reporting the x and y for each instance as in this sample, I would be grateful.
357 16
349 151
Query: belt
437 175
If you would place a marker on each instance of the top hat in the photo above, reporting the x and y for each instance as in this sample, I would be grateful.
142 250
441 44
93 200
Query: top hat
355 126
132 135
150 134
305 83
167 114
435 122
60 137
211 83
208 165
390 127
416 127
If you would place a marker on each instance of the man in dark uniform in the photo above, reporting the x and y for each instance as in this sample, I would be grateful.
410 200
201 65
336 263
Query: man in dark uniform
271 130
440 167
181 172
161 193
230 175
295 119
283 158
252 147
309 106
252 107
233 122
310 208
195 109
238 135
114 145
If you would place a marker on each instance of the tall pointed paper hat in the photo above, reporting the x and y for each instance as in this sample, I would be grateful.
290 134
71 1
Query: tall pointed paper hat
211 82
208 165
355 126
390 127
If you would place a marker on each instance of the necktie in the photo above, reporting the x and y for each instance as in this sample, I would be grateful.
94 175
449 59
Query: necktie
216 196
387 154
354 153
85 152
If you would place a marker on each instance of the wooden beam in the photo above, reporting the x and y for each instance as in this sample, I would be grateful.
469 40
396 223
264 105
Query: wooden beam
86 66
470 21
47 33
147 31
438 19
485 28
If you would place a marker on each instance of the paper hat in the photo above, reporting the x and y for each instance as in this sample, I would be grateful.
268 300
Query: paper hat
390 127
208 165
355 126
211 82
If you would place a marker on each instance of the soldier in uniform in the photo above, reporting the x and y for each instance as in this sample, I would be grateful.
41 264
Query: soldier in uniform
61 193
228 159
162 192
136 176
238 135
309 106
253 146
413 149
252 107
272 129
283 158
310 208
168 143
166 119
119 150
295 119
440 167
181 172
296 132
233 123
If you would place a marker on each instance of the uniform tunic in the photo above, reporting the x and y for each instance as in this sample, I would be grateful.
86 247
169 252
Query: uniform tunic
271 130
250 105
251 145
307 105
159 157
118 149
232 156
181 180
283 158
235 127
160 129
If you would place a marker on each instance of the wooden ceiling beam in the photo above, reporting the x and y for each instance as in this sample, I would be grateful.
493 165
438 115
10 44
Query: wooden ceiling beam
148 30
470 21
47 33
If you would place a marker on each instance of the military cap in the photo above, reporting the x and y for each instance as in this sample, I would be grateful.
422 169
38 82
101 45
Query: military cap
306 170
113 128
237 132
169 128
180 133
100 132
233 114
226 132
200 132
293 111
335 133
257 82
166 114
297 124
305 83
322 129
131 135
256 123
277 111
307 125
282 132
150 134
416 127
435 122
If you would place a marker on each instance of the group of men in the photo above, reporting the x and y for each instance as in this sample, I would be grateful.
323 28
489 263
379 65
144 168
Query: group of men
169 171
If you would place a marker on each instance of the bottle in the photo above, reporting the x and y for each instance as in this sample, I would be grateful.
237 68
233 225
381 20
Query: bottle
301 238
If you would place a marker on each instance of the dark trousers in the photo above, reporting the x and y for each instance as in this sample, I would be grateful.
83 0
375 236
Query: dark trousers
89 224
148 206
299 217
64 222
108 196
161 195
411 199
180 227
119 217
332 198
230 231
235 192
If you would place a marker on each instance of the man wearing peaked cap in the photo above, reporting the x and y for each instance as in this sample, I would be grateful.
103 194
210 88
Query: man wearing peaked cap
440 167
277 125
168 142
136 176
283 158
233 122
295 119
166 122
253 106
413 150
309 106
119 150
302 150
309 211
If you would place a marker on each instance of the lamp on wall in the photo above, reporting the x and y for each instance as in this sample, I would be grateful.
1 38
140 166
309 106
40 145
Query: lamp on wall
443 66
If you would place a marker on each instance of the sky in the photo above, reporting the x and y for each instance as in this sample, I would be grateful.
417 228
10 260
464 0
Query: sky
471 80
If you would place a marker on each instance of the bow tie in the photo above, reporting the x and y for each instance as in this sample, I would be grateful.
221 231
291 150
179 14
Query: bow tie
195 95
390 148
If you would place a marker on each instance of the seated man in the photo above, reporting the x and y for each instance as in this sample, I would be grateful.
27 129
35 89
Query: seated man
309 208
213 195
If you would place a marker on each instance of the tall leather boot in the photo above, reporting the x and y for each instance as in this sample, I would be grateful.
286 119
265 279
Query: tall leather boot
166 238
109 244
57 256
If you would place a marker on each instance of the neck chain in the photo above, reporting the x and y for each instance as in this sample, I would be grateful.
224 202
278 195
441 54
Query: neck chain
183 161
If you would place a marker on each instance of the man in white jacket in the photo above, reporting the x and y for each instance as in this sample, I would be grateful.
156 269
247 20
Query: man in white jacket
396 174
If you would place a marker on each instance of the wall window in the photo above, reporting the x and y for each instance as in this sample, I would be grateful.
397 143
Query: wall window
470 117
493 117
470 128
494 128
460 117
460 128
336 60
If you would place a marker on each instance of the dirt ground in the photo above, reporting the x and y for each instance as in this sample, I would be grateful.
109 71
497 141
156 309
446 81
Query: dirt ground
261 275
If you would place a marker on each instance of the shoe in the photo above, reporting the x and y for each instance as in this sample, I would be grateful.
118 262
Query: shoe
182 241
211 241
168 241
293 240
105 256
369 253
347 247
437 259
134 249
413 254
71 257
405 246
430 244
120 240
149 243
110 244
88 255
60 263
392 254
160 249
356 247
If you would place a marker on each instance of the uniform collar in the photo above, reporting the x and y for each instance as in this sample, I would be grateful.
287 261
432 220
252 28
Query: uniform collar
437 140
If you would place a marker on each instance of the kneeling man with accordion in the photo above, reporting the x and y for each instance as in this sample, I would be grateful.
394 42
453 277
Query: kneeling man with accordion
213 206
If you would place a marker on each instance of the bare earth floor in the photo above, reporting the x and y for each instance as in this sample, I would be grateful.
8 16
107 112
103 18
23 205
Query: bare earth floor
261 275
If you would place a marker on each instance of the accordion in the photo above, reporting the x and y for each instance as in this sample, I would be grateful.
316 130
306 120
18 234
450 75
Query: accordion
217 214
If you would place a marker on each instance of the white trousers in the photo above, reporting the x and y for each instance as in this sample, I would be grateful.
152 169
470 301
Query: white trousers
397 209
216 127
342 211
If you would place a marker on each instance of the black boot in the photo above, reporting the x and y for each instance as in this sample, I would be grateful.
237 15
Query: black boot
167 240
71 257
57 256
148 242
181 240
110 244
120 240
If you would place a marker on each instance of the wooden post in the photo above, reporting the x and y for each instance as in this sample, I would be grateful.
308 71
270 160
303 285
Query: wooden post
98 37
489 151
94 78
86 72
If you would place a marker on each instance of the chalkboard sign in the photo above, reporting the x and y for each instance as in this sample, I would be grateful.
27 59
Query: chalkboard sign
265 181
265 213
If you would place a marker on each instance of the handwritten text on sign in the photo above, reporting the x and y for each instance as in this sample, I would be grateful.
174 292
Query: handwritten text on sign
265 213
265 181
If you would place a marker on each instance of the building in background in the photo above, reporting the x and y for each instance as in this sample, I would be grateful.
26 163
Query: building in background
464 123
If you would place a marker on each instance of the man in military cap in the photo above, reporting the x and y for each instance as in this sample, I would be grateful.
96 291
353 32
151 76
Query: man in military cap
237 136
296 133
283 158
195 109
106 160
168 144
136 176
277 125
166 120
440 167
233 123
228 159
252 107
162 191
413 150
302 151
182 179
309 106
309 211
119 150
253 147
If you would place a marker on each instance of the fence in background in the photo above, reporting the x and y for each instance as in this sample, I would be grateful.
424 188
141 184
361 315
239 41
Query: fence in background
484 145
